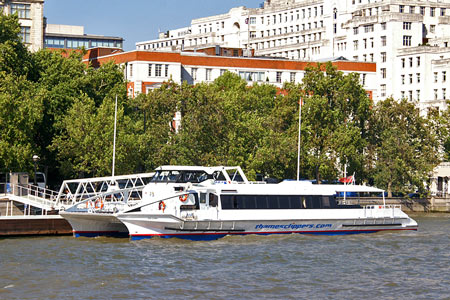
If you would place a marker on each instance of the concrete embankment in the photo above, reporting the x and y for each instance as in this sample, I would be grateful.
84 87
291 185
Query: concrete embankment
13 222
34 225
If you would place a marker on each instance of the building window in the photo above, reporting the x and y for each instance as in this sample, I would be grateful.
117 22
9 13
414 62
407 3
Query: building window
410 62
403 94
208 74
355 45
279 77
418 95
335 13
403 79
363 79
368 28
383 56
383 41
22 10
166 71
149 70
383 72
335 28
410 78
406 25
403 63
401 8
410 95
435 77
444 76
432 28
412 9
407 40
292 77
435 94
194 73
365 43
418 77
383 26
422 10
355 30
432 11
253 20
442 14
383 90
444 93
25 34
131 70
158 70
418 61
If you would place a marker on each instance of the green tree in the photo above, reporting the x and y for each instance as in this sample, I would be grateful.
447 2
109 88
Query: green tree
15 58
85 145
406 151
336 116
20 113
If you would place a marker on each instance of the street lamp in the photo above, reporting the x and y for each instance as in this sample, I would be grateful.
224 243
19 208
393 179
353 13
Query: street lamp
35 160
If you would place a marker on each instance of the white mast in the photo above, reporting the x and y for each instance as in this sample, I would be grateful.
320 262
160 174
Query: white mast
299 136
114 142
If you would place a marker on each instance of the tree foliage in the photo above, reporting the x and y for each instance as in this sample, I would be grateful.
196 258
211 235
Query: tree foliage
406 150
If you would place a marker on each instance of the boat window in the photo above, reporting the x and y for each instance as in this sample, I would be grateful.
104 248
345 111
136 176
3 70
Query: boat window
316 201
226 201
181 176
202 197
266 201
213 200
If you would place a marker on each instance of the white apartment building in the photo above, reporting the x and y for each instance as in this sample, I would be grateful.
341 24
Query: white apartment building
31 18
381 31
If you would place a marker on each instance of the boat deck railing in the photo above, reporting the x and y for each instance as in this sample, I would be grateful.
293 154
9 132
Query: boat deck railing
381 211
109 202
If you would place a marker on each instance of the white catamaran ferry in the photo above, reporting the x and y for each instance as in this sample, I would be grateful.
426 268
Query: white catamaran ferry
213 210
96 215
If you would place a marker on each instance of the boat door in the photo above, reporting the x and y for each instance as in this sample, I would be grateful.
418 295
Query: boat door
203 200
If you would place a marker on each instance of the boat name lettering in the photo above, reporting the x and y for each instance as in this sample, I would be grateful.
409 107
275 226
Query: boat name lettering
292 226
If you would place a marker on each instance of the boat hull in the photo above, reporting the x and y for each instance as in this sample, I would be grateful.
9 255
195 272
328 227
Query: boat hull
166 226
95 224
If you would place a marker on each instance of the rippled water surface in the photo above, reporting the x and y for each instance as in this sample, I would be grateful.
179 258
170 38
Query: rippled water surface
397 265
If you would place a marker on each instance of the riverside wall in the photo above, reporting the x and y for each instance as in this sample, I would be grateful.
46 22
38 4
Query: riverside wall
432 204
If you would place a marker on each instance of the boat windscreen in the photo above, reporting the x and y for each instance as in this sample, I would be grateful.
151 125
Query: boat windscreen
181 176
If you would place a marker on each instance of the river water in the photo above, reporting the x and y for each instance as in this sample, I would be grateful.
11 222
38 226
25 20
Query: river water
388 265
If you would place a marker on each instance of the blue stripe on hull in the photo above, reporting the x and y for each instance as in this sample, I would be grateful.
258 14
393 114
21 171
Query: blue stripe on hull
216 236
116 234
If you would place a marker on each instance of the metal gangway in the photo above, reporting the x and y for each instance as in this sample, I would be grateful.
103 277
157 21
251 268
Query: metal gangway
70 193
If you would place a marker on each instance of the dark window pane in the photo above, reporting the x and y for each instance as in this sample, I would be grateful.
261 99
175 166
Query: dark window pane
273 202
295 202
261 202
284 201
227 201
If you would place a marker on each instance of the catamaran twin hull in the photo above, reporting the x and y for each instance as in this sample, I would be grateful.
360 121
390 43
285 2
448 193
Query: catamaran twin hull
142 226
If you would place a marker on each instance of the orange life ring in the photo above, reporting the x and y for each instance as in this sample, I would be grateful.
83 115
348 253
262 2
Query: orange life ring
162 206
99 203
183 198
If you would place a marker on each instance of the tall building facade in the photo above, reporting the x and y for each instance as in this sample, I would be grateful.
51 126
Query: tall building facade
387 32
31 18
